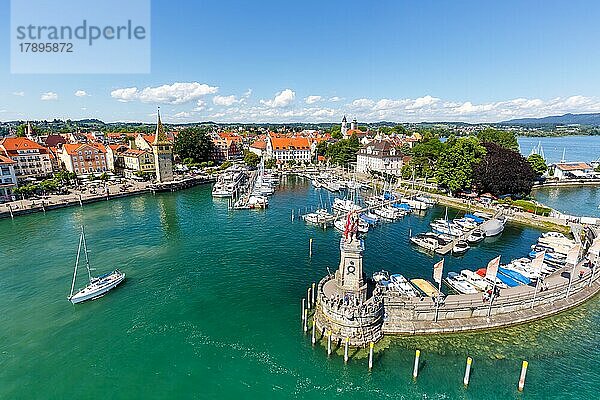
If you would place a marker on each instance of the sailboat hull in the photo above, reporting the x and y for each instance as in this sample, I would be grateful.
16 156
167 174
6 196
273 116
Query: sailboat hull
98 288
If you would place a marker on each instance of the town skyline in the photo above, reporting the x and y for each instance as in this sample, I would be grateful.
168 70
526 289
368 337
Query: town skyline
387 62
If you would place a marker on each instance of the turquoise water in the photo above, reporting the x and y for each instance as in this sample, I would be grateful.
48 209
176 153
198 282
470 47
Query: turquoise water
211 308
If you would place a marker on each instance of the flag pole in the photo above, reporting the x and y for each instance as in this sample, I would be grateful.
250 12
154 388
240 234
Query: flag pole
492 297
539 278
575 260
437 303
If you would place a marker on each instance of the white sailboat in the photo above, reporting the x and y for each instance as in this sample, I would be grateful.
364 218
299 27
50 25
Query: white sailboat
97 286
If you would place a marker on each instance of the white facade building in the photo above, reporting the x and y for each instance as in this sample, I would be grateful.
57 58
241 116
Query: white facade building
379 156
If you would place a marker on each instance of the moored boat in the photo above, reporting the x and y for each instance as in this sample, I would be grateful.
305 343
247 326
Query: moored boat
460 284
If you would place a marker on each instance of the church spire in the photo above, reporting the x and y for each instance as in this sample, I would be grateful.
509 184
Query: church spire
160 137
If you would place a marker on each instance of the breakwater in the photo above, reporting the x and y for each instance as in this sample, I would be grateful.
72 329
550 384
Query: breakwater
349 311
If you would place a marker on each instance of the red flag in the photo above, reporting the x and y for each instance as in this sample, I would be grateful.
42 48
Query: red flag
492 269
438 269
347 229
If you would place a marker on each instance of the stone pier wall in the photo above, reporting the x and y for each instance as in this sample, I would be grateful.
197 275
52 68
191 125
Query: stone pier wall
361 324
466 313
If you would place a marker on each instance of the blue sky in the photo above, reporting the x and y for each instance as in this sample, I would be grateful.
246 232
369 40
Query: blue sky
280 61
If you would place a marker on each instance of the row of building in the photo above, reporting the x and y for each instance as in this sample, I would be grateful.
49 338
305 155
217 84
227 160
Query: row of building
30 158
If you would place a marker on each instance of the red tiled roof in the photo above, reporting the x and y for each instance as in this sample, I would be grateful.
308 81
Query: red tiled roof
5 160
282 143
20 143
73 148
259 144
573 166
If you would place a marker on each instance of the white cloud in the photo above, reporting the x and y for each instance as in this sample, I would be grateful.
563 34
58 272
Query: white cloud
422 102
81 93
247 93
48 96
335 99
200 105
281 99
312 99
363 103
125 94
20 94
176 93
225 100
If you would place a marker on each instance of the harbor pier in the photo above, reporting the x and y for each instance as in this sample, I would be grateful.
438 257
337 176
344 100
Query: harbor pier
351 306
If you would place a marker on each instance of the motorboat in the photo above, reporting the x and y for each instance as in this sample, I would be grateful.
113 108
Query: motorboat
401 284
362 226
345 206
381 276
320 216
370 218
477 281
228 184
258 201
475 237
460 284
517 276
460 247
386 212
97 286
426 287
316 183
493 227
428 241
465 223
447 228
550 257
554 235
499 283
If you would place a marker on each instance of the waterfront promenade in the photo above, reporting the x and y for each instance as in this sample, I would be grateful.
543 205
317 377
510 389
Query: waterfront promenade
99 191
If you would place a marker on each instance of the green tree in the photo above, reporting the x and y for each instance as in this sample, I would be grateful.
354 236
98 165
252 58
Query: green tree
505 139
454 168
503 171
425 155
251 159
399 129
194 143
538 164
344 151
270 163
335 131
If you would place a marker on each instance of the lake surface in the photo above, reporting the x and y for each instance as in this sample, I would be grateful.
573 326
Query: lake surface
576 148
569 200
211 310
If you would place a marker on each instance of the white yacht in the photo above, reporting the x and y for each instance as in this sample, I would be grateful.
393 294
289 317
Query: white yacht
460 284
401 284
475 280
228 183
97 286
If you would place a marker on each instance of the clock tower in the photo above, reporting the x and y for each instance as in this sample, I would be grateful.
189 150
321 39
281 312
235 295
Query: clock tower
349 276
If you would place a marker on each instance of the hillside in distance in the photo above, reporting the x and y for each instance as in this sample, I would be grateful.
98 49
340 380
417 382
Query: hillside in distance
566 119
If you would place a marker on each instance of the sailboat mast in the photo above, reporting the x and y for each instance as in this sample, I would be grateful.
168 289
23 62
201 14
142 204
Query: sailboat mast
87 261
76 264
